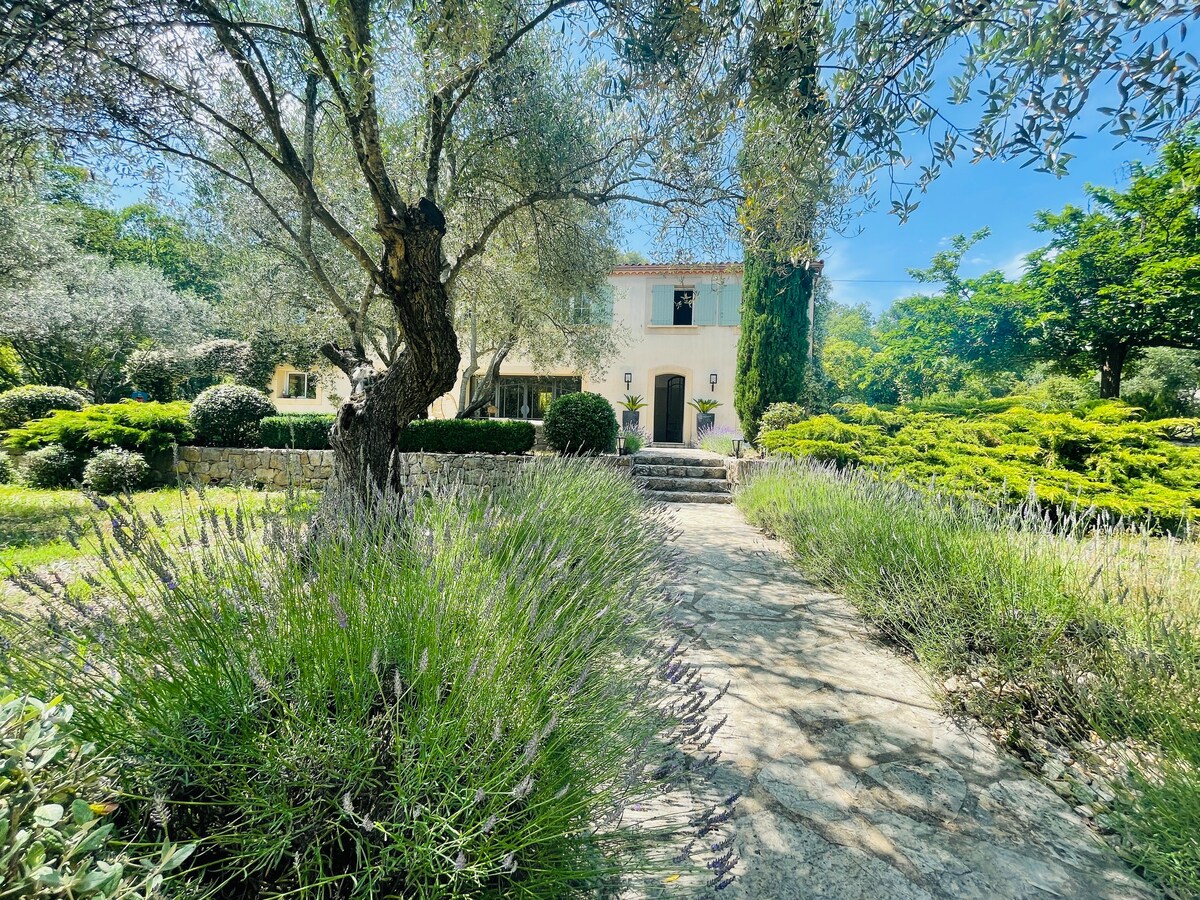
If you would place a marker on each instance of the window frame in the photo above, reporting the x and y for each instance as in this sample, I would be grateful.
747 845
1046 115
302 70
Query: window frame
310 386
677 305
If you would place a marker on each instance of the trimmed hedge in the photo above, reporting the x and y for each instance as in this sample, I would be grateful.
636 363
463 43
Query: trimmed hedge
467 436
227 415
581 424
145 427
296 431
33 401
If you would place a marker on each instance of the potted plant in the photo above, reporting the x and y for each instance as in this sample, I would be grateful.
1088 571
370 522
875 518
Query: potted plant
704 412
630 406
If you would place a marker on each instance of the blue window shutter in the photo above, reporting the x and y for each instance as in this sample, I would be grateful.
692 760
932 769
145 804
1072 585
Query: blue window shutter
731 303
604 306
706 304
662 304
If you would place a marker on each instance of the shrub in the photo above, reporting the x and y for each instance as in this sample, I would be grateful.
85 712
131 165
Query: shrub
227 415
581 423
1098 458
449 697
781 415
115 471
7 470
467 436
55 837
52 466
718 439
635 439
157 372
33 401
145 427
296 431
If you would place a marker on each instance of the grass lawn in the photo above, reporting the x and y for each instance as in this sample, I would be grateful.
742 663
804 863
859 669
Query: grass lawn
34 522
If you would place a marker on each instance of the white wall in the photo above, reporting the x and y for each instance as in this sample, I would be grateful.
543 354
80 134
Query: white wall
332 387
693 351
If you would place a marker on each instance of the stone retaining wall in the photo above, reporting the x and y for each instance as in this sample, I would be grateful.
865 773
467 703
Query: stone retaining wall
312 468
739 470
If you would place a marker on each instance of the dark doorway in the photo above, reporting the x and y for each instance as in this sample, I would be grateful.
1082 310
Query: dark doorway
668 409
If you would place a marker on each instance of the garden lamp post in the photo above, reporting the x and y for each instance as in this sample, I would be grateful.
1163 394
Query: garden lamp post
737 447
621 444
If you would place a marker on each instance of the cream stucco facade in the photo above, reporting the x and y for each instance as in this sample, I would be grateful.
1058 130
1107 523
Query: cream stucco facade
662 359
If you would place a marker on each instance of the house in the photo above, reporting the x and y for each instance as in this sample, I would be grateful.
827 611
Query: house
681 324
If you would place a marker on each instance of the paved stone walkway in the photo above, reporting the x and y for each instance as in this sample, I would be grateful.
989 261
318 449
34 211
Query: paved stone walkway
855 784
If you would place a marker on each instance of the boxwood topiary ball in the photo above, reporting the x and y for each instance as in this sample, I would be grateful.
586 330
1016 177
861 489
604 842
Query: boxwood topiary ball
581 424
227 415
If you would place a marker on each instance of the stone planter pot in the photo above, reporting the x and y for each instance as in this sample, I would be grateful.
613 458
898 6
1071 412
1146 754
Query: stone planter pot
705 420
630 418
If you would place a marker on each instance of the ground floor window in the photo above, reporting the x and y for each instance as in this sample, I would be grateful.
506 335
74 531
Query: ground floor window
301 385
527 396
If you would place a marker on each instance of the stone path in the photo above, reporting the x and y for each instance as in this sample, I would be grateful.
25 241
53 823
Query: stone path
855 785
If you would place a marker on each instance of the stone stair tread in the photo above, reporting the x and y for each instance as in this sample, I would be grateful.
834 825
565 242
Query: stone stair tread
667 459
688 497
686 485
664 471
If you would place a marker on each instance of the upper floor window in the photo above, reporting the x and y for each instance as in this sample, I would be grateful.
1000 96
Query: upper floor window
301 385
684 306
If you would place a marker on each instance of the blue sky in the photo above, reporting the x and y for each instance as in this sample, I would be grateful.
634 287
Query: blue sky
871 266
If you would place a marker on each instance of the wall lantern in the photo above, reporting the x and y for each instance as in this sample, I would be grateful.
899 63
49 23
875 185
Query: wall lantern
712 381
628 380
621 444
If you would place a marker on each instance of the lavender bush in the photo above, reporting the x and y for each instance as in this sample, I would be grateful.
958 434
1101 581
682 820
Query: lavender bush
718 439
439 697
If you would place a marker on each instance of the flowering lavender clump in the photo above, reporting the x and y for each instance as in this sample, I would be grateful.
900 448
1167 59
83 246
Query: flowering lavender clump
718 439
453 696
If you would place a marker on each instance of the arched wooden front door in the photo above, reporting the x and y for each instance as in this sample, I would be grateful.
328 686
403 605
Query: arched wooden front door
668 409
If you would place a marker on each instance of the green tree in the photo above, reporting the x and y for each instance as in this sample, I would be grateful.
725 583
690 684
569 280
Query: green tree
1124 275
773 345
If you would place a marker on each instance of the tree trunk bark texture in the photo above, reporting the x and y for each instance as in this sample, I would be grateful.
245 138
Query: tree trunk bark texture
366 431
1111 364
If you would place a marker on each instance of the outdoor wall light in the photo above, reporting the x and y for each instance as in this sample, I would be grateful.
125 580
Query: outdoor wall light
628 380
712 381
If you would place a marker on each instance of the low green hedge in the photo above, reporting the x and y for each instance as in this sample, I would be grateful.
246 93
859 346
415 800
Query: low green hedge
296 431
467 436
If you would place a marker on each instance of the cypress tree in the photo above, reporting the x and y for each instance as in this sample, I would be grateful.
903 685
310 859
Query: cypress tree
773 347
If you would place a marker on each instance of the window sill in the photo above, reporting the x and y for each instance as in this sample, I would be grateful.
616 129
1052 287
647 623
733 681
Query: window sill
688 327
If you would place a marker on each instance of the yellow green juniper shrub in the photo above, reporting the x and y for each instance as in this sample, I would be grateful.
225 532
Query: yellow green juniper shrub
1099 456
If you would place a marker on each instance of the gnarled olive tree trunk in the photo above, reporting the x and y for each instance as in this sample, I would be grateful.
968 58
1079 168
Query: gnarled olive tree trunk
366 431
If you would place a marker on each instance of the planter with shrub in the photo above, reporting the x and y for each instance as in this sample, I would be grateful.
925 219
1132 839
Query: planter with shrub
581 424
116 471
52 466
227 415
296 431
631 408
467 436
33 401
704 413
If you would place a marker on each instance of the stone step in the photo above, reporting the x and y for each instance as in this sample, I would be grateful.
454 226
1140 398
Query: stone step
705 485
667 459
688 497
661 471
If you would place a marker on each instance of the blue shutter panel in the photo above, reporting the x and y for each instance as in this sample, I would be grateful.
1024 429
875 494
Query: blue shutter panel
731 303
604 306
705 312
662 304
